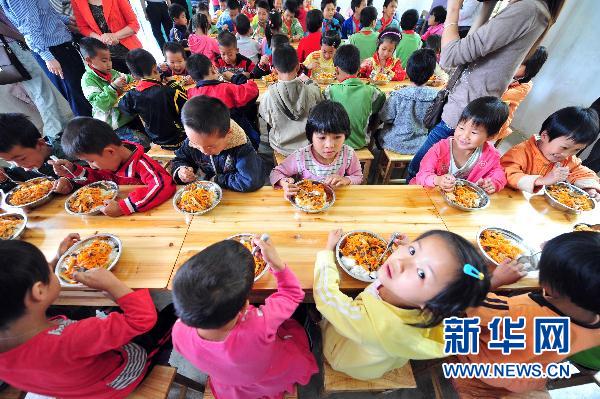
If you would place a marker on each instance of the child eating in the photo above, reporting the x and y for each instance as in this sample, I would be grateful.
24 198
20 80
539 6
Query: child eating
291 26
227 17
230 62
321 61
468 155
326 158
259 22
383 62
176 63
200 42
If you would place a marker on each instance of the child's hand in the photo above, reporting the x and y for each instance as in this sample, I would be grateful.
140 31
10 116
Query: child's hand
312 65
67 243
333 238
62 186
112 209
102 279
366 63
558 173
188 80
508 272
337 181
227 75
268 252
592 192
289 188
120 82
264 60
60 165
186 174
487 185
401 239
163 67
445 182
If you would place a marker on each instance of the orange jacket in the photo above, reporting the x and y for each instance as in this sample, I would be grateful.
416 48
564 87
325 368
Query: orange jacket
118 14
513 97
524 163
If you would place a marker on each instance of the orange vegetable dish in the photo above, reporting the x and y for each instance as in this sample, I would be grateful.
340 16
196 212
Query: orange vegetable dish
272 78
325 76
259 263
365 250
585 227
96 254
196 198
498 246
381 77
89 198
312 195
465 196
9 225
31 192
570 198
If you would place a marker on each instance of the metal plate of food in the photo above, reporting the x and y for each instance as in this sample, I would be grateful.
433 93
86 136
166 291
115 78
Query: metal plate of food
323 78
197 198
313 197
568 198
88 200
12 225
379 79
466 196
358 251
587 227
30 194
260 266
497 244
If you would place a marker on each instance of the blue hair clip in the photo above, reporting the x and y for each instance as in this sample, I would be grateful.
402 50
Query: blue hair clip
472 271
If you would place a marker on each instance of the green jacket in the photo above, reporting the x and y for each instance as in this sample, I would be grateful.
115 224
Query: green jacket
410 43
366 41
104 98
296 29
360 101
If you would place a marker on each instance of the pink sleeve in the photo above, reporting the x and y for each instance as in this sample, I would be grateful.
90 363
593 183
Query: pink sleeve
427 172
496 172
354 171
287 168
214 47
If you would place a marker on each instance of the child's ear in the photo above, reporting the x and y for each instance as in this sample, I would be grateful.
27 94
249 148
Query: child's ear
38 292
109 151
40 143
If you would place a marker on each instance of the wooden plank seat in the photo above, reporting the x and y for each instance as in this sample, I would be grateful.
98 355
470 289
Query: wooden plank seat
389 161
209 395
336 381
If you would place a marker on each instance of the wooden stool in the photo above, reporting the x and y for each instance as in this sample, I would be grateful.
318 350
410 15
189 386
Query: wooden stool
336 381
209 395
161 156
389 161
366 159
278 158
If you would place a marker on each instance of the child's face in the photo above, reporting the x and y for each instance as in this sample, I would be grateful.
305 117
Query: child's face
431 21
386 50
223 5
469 136
416 273
208 144
234 13
262 15
26 157
328 145
176 62
307 4
102 61
559 149
329 11
390 10
288 17
107 160
327 52
358 9
181 20
228 54
278 5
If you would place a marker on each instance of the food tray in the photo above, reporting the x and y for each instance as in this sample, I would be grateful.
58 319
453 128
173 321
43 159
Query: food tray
559 205
248 236
30 205
484 198
329 192
21 229
517 240
357 272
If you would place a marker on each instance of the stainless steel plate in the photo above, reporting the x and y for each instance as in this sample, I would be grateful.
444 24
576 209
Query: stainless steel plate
516 239
248 236
214 187
484 198
329 192
357 272
103 184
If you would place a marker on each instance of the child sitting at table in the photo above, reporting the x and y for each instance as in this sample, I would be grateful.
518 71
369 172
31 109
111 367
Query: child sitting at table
291 26
352 24
200 42
249 9
229 61
410 41
176 64
227 17
436 20
399 316
109 158
569 274
286 104
326 158
361 101
202 8
216 148
102 86
265 65
321 61
157 104
550 157
312 41
247 352
328 8
468 155
383 63
247 46
434 42
179 33
366 39
274 23
388 16
22 145
58 357
259 22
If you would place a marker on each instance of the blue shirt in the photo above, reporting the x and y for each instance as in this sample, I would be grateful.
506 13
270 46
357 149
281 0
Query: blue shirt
225 19
41 25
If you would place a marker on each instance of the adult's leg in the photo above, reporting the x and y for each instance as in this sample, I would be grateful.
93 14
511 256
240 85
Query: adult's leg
73 69
154 12
166 21
55 79
439 132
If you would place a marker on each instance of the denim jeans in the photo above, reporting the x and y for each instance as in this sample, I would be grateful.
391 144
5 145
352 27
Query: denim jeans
439 132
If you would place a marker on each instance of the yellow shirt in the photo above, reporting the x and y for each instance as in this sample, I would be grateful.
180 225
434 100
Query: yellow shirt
323 65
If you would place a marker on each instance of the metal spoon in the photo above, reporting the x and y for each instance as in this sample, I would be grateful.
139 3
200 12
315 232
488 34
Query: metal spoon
528 258
388 247
265 237
76 179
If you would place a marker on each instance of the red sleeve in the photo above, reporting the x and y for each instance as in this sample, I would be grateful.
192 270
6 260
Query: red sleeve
250 67
93 336
243 94
159 187
365 71
129 15
300 51
82 25
399 73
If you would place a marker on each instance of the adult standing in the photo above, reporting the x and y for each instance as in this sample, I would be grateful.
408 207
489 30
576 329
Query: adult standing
157 13
47 35
492 52
113 22
45 97
468 12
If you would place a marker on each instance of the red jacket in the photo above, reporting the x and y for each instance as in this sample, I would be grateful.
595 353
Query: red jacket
232 95
242 64
118 14
139 169
90 358
308 44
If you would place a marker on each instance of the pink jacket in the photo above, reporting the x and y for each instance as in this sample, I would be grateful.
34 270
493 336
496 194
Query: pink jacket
203 45
437 163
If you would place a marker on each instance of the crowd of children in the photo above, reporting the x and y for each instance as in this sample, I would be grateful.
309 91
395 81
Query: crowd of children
213 129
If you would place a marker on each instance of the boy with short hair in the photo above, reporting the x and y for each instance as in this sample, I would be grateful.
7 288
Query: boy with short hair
286 104
175 64
312 41
109 158
352 24
549 157
410 41
366 39
362 102
328 7
225 21
247 46
291 26
179 33
159 105
216 148
230 62
259 22
22 144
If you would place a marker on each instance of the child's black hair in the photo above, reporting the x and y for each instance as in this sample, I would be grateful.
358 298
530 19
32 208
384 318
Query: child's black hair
201 21
242 24
328 117
368 15
274 23
331 38
387 2
89 46
175 10
325 2
285 58
489 112
85 135
174 47
227 39
202 7
576 123
206 115
570 267
465 291
21 266
314 20
409 19
17 129
233 4
198 66
347 58
534 63
264 4
354 4
391 35
434 42
420 66
140 63
211 288
291 6
278 40
439 13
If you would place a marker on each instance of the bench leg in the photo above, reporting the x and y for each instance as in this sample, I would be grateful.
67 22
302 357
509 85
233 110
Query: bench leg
366 170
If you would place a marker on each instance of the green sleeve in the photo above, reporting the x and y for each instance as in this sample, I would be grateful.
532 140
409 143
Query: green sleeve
102 97
297 29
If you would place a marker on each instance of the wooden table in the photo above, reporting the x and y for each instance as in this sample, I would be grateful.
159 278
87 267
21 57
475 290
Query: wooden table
387 88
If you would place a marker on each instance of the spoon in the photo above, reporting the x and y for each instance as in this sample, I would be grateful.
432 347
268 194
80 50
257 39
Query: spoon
76 179
528 258
265 237
389 246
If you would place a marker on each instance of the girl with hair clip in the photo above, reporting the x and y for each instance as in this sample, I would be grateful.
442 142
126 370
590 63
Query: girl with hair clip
274 23
199 41
383 61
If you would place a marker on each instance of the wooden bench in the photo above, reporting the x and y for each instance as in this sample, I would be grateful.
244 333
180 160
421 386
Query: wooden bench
335 381
209 395
389 161
161 156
